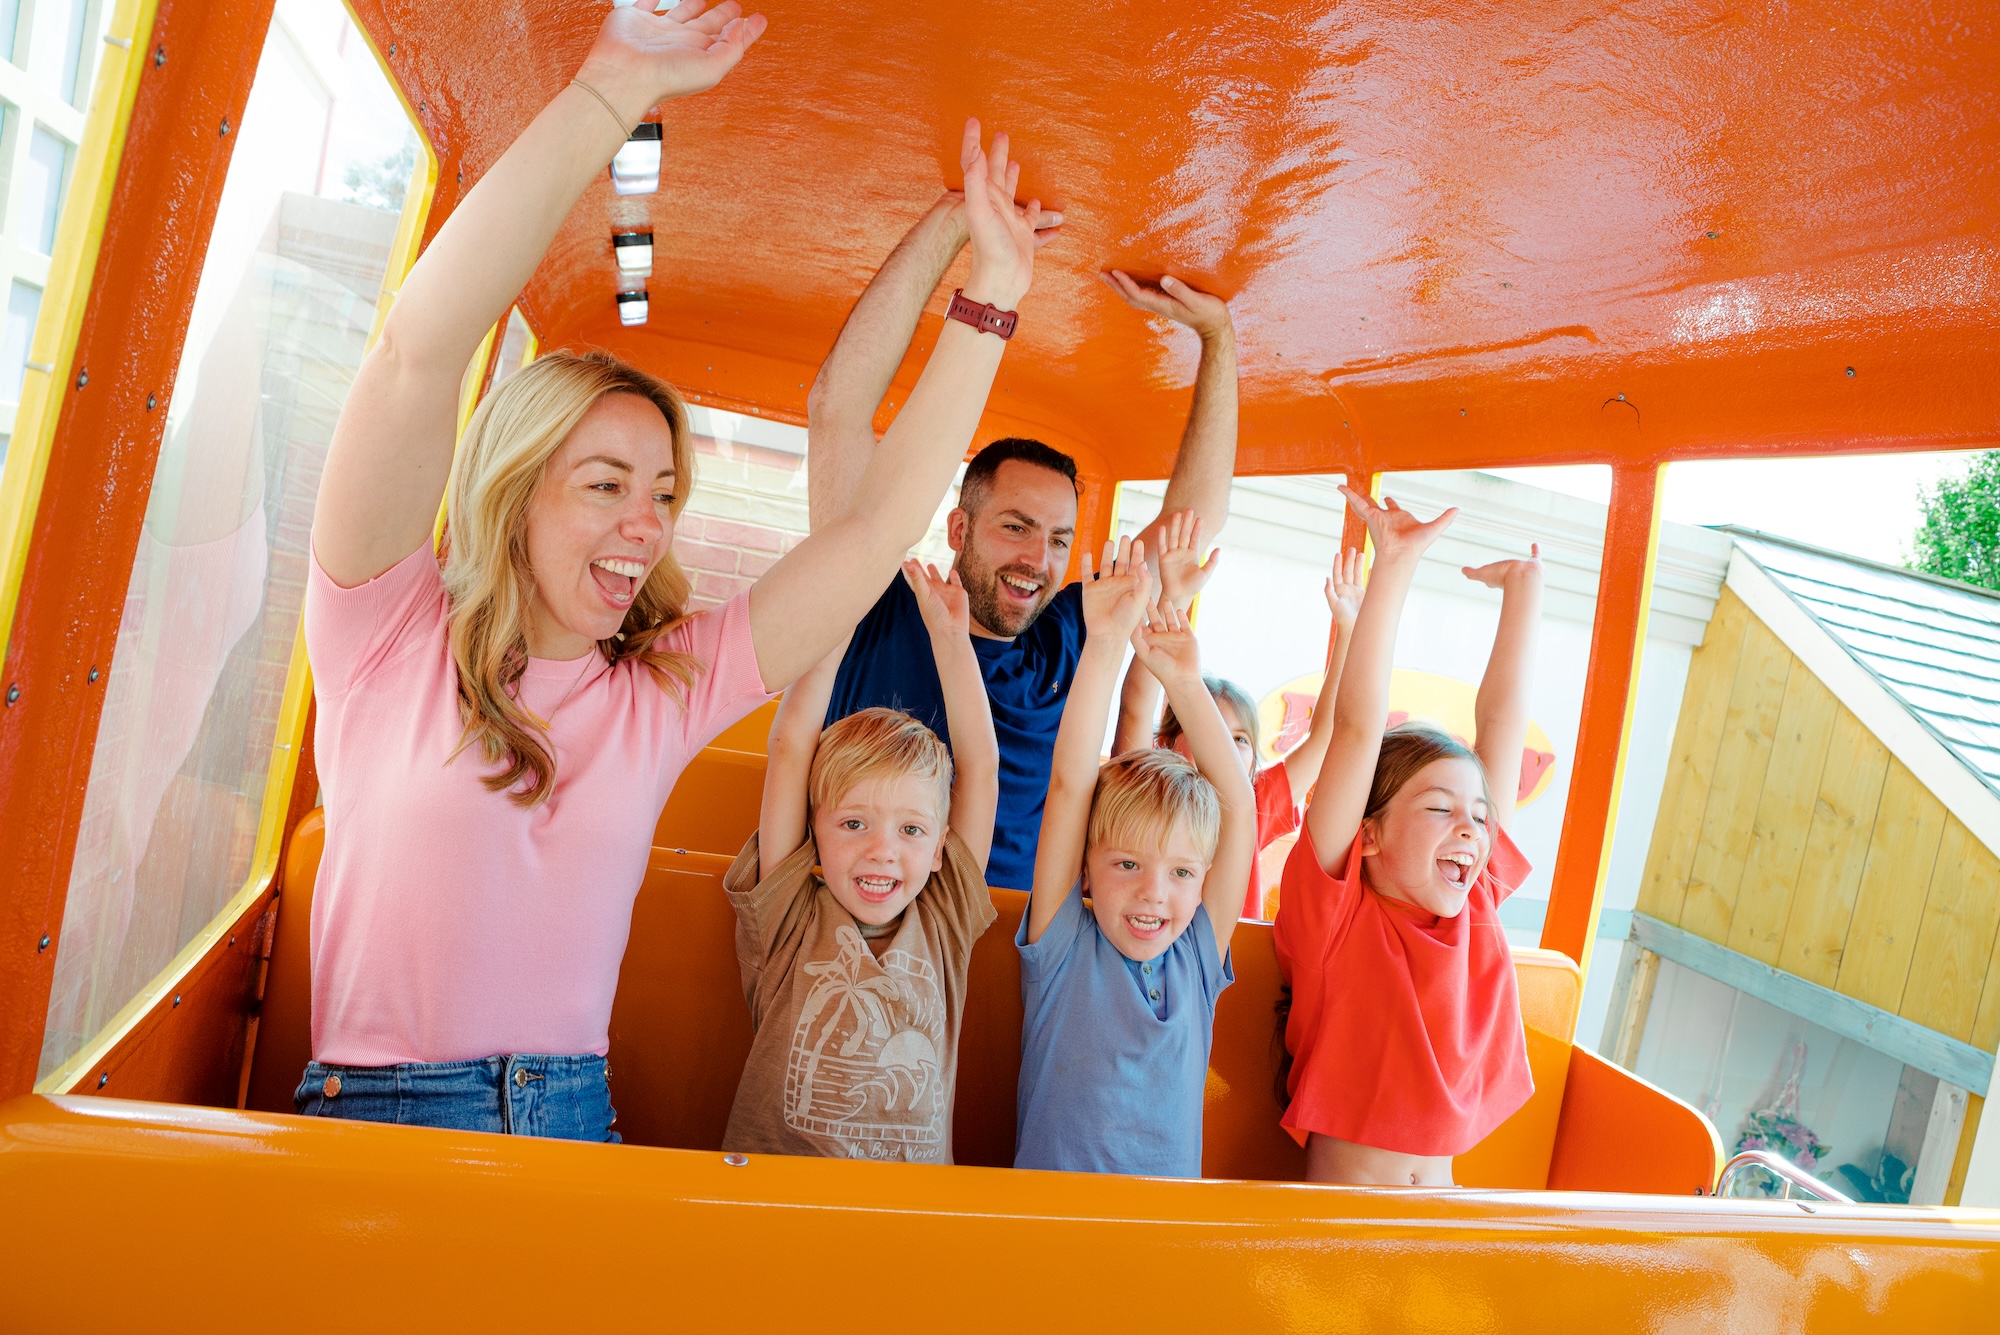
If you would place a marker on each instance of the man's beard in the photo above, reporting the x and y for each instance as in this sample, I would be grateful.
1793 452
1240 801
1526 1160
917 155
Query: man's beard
996 611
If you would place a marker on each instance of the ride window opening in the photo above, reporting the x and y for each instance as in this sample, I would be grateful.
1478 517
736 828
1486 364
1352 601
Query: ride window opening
518 346
284 310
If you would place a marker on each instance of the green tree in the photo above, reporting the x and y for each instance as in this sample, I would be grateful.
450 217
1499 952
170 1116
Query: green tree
1960 534
379 183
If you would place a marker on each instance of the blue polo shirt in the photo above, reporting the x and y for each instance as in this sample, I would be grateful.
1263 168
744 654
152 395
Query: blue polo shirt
1027 683
1114 1052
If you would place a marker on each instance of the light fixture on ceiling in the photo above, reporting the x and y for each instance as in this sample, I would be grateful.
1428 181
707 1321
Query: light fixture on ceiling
635 253
636 168
632 307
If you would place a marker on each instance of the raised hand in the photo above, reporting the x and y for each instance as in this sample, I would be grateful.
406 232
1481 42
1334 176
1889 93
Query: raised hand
1512 573
1115 599
1206 314
1344 587
1003 234
1183 574
1047 225
1397 532
940 598
641 58
1166 647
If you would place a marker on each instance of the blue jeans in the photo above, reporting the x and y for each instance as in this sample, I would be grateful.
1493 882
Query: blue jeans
527 1094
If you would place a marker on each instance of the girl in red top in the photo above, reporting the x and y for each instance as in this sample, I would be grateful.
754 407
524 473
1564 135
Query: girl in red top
1405 1028
1277 787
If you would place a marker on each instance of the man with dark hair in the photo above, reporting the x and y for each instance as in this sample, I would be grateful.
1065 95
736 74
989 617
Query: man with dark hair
1012 530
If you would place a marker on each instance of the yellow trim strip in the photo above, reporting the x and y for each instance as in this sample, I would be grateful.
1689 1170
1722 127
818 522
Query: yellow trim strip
283 772
79 238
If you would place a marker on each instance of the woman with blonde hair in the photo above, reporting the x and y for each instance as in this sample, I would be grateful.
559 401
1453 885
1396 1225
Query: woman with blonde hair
496 738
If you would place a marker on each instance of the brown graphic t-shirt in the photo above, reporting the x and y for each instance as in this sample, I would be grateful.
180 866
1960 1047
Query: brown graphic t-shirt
856 1053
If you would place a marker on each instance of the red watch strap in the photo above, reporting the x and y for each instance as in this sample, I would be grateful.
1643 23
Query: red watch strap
986 319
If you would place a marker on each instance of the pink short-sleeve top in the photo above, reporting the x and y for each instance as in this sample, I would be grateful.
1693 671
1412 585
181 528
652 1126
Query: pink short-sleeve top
448 922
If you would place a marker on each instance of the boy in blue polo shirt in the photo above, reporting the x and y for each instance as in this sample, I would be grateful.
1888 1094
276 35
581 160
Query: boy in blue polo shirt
1120 993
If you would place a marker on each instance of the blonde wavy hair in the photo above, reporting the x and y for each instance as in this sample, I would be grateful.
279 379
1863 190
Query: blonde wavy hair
1141 794
877 743
500 464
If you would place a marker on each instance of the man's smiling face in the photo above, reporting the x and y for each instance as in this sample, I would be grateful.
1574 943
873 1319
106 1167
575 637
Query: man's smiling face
1014 547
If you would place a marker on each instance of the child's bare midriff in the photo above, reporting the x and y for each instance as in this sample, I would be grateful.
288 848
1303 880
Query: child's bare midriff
1330 1159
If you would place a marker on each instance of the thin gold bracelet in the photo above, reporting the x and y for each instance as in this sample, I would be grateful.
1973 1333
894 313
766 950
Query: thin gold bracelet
604 102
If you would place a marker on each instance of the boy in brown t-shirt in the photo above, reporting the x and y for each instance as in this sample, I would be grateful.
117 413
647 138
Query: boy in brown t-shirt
857 903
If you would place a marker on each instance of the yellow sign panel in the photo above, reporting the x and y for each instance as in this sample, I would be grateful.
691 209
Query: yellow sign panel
1285 715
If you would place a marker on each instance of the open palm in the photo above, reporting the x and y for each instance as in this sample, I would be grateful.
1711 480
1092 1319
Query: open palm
1165 645
1183 574
1003 236
1115 599
940 598
1396 531
645 58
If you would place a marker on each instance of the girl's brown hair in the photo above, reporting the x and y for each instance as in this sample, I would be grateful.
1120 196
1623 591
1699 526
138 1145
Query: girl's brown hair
494 477
1224 692
1406 749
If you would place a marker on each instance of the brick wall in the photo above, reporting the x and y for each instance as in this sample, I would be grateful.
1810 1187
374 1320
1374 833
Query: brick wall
747 510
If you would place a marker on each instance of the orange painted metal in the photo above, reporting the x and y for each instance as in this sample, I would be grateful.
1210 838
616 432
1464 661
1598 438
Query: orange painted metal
414 1222
1613 1130
1617 637
1452 237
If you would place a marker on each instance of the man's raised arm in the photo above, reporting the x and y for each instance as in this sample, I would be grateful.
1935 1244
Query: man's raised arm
1207 460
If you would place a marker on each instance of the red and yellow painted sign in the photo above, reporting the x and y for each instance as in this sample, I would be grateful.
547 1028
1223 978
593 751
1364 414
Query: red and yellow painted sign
1285 714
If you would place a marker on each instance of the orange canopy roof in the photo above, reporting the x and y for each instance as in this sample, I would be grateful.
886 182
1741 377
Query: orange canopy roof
1452 235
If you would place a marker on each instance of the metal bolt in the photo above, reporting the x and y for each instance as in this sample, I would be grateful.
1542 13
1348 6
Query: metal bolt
13 693
177 998
159 56
1621 398
152 402
225 126
1713 235
82 379
423 108
93 674
1461 412
1850 370
736 1160
392 48
1506 285
43 944
104 1080
461 176
232 940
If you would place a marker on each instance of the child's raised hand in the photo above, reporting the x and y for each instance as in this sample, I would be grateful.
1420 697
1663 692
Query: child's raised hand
1397 532
1183 574
1115 598
1165 645
940 598
1344 587
1509 574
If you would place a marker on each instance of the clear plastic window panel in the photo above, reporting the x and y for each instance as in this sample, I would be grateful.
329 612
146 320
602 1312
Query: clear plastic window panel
282 315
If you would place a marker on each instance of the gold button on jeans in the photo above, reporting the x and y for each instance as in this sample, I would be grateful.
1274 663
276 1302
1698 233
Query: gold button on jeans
331 1088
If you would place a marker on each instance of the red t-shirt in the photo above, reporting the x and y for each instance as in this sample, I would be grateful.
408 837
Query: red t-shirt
1405 1029
1277 816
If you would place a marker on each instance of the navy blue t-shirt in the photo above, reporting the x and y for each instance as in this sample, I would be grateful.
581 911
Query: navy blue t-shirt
1027 683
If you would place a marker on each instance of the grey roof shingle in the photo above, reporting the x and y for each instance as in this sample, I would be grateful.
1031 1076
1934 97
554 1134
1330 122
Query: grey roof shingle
1934 644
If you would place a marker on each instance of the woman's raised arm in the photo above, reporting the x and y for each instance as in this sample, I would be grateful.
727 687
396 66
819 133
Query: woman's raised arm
391 451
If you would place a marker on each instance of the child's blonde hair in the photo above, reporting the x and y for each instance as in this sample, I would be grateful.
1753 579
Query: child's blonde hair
1141 794
873 744
1223 692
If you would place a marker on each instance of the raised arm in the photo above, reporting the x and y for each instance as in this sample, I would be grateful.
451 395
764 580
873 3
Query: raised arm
1500 713
840 410
975 753
782 818
819 591
1166 646
1207 459
391 450
1113 605
1183 575
1343 599
1361 706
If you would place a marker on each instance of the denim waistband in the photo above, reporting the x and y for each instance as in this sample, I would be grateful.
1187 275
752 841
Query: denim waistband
567 1097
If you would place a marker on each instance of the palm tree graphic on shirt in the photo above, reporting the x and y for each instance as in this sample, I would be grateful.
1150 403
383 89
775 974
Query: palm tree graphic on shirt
864 1063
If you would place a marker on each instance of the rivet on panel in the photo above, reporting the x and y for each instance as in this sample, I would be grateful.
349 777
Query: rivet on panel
13 693
177 999
152 402
159 56
1713 235
43 944
736 1160
1850 371
225 126
392 48
104 1080
82 379
1461 412
232 940
1621 398
93 674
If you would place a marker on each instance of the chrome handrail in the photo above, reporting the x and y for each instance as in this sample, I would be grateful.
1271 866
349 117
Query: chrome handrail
1784 1170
